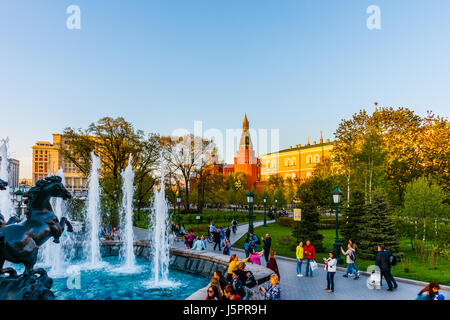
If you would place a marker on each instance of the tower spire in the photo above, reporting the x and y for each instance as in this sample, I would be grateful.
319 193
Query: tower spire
321 139
245 123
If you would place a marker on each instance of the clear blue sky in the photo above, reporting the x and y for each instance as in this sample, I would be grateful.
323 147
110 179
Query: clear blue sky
297 65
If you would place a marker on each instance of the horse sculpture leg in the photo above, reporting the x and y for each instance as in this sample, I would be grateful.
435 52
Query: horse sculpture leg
62 223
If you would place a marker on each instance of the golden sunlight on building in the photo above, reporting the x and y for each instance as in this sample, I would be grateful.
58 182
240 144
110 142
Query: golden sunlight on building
48 159
298 162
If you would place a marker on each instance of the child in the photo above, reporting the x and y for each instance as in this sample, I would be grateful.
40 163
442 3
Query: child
330 266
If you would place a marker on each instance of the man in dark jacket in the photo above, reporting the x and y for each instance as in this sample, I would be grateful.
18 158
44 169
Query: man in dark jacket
383 262
267 244
217 237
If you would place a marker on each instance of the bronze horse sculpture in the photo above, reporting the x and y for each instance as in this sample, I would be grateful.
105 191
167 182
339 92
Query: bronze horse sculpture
19 243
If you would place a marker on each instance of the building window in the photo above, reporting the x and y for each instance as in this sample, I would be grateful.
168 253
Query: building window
316 158
286 163
294 161
308 159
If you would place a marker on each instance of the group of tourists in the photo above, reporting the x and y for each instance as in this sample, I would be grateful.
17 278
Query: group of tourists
307 254
108 233
238 283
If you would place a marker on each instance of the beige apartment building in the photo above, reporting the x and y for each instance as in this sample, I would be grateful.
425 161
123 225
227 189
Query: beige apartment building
48 159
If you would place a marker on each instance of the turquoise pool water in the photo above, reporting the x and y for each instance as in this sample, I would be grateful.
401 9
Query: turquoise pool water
106 284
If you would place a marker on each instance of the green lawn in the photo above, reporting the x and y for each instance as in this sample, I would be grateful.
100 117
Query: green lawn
220 218
283 243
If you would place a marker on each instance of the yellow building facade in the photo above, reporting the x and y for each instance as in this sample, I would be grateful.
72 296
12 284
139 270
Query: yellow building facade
48 159
298 162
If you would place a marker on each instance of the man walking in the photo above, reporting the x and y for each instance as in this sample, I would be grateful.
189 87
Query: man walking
383 262
216 235
267 243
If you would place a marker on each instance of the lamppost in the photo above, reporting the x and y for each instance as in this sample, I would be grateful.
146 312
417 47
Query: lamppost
19 195
250 211
265 204
179 204
337 244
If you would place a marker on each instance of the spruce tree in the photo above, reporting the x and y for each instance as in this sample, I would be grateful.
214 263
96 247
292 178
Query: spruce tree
352 218
377 228
309 226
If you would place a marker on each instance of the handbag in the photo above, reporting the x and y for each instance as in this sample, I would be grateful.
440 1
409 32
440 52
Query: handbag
313 265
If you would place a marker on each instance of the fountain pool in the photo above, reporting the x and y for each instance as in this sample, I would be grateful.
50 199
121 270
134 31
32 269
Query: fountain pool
106 284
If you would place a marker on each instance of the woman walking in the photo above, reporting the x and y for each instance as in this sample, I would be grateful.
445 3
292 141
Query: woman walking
350 259
330 266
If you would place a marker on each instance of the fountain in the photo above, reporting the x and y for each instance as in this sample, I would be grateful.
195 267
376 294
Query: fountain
94 259
53 254
161 239
6 201
127 250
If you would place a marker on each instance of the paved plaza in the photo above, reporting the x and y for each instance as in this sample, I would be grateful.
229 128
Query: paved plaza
295 288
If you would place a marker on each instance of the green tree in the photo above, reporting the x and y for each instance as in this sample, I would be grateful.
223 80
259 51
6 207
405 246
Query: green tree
353 214
309 225
425 201
377 228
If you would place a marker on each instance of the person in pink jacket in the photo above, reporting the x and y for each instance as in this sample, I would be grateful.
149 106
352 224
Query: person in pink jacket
255 256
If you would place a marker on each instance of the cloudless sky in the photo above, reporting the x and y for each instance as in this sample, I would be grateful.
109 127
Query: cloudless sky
299 66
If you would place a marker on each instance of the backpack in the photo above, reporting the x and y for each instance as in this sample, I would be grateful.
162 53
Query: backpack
353 255
392 260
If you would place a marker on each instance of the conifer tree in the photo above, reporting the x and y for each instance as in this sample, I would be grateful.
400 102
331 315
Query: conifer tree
377 228
352 218
309 225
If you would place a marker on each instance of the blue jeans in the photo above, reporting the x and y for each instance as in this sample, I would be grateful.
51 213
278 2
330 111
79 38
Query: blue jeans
330 280
308 267
351 268
299 266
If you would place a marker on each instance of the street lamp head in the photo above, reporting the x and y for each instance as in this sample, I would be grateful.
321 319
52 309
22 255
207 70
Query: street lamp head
19 194
178 198
265 199
250 196
337 193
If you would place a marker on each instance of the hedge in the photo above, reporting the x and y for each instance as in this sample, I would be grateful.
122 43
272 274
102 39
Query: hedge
323 224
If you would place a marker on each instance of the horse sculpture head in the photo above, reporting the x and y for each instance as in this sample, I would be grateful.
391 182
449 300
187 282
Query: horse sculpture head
38 196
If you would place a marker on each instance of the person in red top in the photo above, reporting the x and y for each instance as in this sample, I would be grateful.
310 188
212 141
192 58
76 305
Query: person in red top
230 294
309 253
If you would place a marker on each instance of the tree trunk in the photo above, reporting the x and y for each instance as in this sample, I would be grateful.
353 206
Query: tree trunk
348 189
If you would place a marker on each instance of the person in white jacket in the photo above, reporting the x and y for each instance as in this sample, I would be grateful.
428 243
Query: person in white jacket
330 266
351 267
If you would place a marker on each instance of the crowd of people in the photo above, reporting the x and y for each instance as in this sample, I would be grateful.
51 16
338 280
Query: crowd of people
235 285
